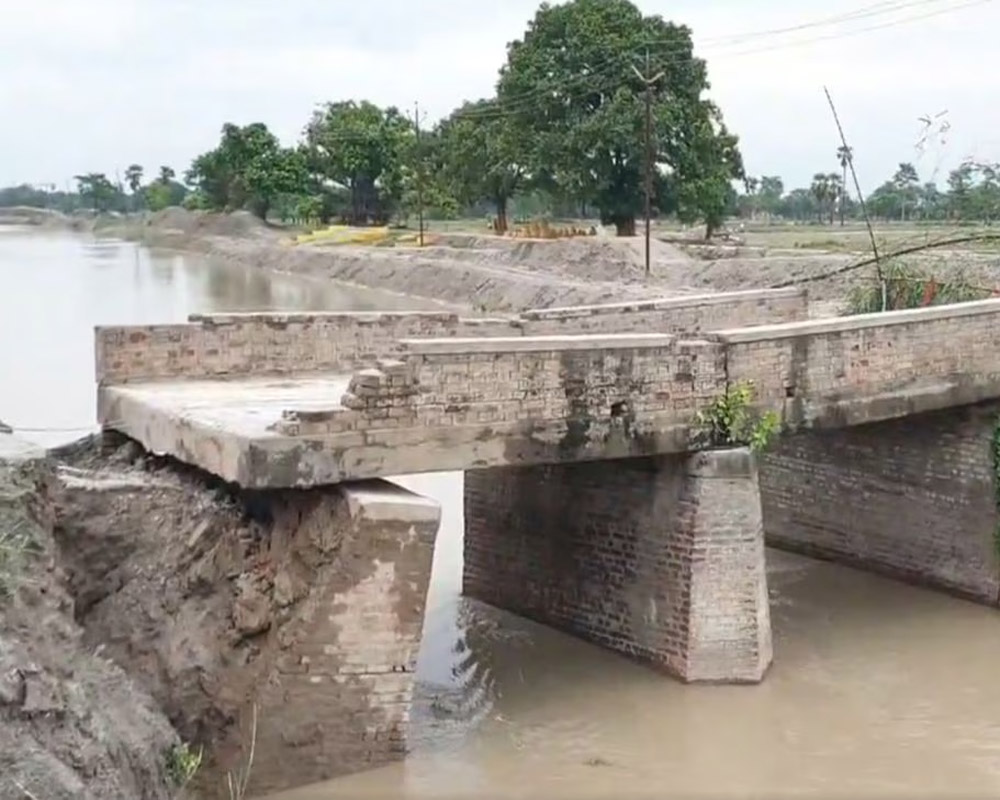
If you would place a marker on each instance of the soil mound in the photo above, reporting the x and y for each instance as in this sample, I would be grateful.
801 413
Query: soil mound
239 224
72 723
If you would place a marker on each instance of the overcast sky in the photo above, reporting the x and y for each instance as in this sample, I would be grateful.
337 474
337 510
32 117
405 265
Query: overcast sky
93 85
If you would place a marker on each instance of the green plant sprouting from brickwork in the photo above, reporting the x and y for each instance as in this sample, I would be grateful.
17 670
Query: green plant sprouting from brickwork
995 454
730 420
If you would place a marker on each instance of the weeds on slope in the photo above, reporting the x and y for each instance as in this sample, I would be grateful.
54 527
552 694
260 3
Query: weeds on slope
907 286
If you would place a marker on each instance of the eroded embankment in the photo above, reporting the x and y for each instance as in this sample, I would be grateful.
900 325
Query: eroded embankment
502 274
73 724
150 606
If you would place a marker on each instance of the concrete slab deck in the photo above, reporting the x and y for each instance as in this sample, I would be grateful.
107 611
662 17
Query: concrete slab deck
246 407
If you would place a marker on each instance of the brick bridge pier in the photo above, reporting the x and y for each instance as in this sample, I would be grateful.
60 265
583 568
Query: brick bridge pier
586 506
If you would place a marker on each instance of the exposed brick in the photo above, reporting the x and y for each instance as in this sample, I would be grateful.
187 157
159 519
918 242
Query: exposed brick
659 559
911 498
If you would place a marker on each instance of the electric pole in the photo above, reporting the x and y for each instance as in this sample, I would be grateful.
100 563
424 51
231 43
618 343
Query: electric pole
648 80
420 173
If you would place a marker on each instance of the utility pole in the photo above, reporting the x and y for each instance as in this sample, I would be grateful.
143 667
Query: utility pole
649 81
420 173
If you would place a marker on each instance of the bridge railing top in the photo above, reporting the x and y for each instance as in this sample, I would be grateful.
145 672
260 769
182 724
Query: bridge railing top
534 344
669 303
856 322
304 317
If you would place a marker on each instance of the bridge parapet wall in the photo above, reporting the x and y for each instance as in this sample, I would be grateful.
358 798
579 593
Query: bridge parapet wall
576 390
235 345
238 345
851 370
683 314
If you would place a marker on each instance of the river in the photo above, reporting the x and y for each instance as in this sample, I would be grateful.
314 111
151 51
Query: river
877 689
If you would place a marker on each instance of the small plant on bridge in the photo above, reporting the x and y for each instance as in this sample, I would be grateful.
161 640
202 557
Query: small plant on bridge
731 421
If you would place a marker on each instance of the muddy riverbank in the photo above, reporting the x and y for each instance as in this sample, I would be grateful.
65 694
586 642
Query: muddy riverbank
73 722
489 273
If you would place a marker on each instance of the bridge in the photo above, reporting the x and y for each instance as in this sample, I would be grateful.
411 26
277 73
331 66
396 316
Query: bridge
588 505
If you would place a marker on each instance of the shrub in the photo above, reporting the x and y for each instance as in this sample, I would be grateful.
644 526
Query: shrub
730 420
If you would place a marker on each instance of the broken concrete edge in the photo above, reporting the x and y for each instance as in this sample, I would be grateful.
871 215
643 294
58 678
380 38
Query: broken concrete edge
379 500
668 303
216 451
855 322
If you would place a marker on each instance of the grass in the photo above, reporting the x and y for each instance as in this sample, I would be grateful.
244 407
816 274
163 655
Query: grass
238 781
16 543
911 287
182 764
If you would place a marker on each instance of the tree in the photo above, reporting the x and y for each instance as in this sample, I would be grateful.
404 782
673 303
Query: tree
906 182
478 157
167 174
836 192
844 156
822 189
97 191
363 148
801 204
771 190
577 112
133 177
248 169
705 164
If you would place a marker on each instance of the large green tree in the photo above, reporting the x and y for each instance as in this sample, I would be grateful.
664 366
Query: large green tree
572 94
478 157
97 191
365 149
249 169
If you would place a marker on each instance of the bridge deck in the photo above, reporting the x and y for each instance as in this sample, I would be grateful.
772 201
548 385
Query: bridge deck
275 406
248 407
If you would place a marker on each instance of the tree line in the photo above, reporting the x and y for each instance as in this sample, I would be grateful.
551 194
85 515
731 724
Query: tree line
972 195
565 128
564 134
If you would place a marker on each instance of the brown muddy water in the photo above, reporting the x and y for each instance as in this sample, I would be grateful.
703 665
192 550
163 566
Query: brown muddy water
878 689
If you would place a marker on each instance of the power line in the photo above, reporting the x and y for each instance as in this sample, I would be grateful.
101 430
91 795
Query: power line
863 13
683 52
868 28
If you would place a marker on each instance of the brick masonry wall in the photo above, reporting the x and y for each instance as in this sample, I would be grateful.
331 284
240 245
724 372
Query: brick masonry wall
238 345
587 387
235 345
682 314
814 371
912 498
336 695
659 559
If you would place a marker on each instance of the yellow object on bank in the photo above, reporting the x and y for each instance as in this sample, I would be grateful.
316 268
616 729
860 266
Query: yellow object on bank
344 234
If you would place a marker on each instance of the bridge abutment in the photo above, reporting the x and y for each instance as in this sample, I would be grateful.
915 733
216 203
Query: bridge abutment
910 498
660 559
336 687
